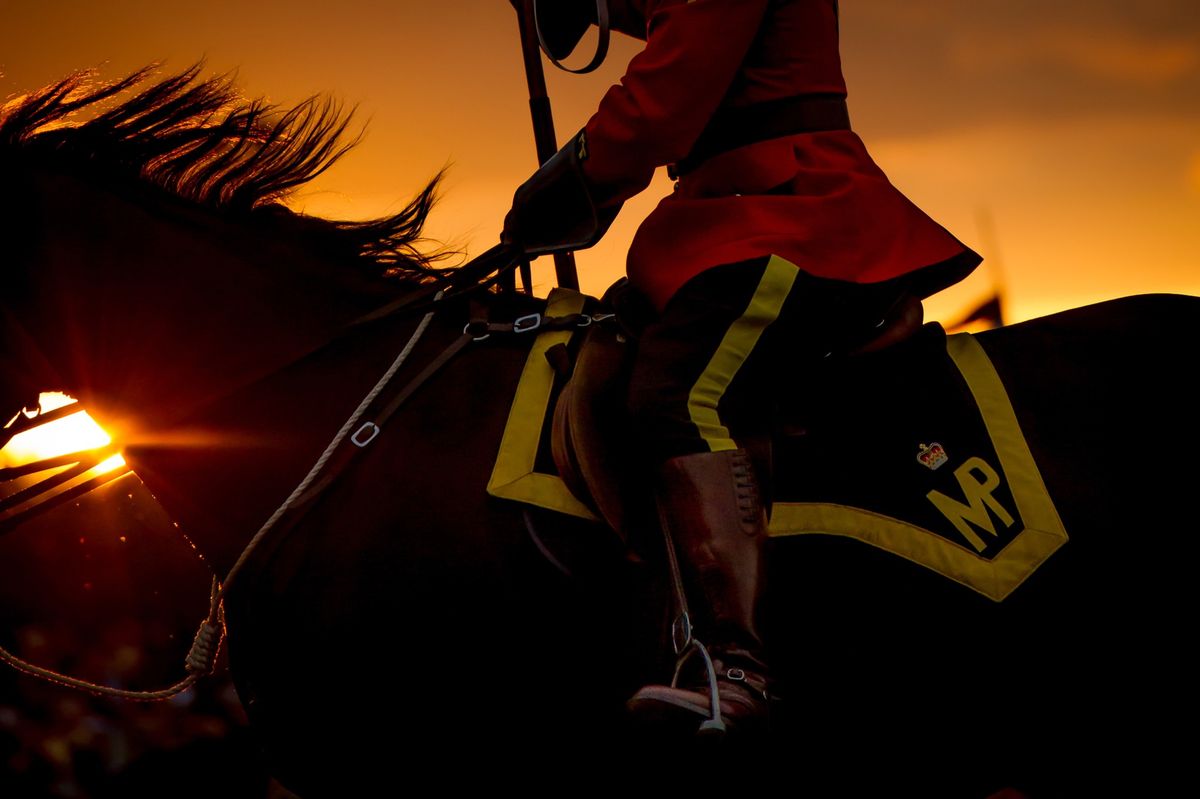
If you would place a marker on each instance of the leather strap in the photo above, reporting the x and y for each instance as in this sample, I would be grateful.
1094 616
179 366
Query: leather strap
346 454
602 22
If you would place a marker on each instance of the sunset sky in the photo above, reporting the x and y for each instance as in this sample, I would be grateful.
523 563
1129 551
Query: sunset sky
1061 139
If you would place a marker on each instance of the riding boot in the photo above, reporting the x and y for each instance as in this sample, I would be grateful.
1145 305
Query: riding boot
713 521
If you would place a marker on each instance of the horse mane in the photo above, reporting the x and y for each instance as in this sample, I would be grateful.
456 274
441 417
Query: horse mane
199 140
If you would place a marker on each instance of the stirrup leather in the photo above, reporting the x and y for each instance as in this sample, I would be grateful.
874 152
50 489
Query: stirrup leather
735 506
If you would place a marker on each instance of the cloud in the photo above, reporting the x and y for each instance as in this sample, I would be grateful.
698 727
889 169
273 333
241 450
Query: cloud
1122 56
938 64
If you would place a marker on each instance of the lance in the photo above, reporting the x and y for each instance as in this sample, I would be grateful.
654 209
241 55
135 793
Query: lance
543 129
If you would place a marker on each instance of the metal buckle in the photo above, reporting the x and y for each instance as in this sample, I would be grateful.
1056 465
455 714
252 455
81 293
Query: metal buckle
370 428
467 331
524 324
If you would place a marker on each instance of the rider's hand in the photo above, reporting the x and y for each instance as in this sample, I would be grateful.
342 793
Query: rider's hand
555 210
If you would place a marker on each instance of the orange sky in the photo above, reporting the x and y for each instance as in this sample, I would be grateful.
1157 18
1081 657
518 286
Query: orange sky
1062 140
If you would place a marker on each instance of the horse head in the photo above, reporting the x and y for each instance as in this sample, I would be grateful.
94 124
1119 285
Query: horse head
151 271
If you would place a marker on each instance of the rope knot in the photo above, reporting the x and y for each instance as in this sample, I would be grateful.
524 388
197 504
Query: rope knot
203 655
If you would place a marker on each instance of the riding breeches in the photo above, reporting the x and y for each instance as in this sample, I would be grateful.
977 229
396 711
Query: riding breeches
710 370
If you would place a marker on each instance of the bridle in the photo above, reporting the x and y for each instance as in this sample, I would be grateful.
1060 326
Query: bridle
354 434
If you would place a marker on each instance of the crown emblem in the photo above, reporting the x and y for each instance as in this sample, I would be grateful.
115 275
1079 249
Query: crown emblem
932 455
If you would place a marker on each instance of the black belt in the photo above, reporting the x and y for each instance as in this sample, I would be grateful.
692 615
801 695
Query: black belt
731 128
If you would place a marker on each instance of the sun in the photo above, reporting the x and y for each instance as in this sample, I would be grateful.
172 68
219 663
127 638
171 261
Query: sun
74 432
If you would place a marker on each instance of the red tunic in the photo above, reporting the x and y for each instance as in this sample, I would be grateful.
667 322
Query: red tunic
830 209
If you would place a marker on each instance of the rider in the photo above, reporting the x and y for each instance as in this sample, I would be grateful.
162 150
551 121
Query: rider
782 242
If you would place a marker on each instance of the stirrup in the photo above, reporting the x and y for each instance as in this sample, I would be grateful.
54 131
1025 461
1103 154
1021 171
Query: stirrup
714 725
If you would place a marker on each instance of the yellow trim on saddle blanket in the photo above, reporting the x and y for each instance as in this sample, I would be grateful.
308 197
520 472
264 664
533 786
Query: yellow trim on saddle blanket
513 476
997 578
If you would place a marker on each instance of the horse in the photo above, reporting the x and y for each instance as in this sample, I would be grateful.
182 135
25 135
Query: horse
407 622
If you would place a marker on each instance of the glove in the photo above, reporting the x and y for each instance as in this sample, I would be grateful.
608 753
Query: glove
556 209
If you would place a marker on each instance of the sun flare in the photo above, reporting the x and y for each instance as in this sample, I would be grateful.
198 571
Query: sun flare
75 432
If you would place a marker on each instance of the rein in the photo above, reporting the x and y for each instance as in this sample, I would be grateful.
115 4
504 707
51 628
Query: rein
356 433
479 273
202 657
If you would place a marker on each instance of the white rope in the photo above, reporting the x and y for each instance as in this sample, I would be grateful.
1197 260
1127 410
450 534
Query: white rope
207 644
328 453
200 661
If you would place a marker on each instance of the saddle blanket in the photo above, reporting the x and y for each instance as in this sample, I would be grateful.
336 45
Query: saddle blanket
937 472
